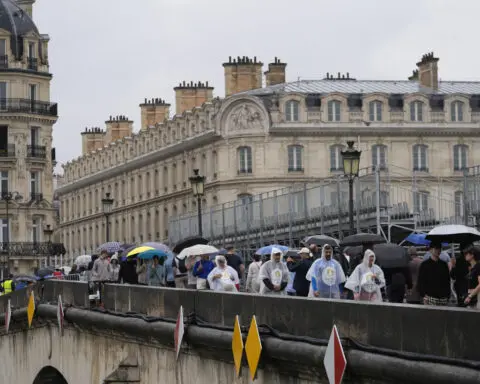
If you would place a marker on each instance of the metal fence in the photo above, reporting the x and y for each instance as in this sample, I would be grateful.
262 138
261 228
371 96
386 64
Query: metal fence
471 195
388 201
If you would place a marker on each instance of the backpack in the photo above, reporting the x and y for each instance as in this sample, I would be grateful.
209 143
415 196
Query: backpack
181 265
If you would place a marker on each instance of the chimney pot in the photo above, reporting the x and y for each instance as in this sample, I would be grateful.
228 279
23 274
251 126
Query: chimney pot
348 75
338 77
343 76
229 59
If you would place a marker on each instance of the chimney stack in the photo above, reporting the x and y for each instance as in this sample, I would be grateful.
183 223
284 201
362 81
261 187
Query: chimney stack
92 139
153 111
118 127
242 74
428 71
276 73
191 95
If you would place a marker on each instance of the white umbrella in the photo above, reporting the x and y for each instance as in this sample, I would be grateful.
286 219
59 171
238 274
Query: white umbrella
454 233
83 260
197 250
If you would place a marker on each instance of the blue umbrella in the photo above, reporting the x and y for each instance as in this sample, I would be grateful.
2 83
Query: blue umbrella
420 239
110 247
159 246
148 255
267 250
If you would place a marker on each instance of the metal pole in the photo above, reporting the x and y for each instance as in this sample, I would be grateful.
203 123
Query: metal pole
7 201
377 198
107 229
199 206
350 205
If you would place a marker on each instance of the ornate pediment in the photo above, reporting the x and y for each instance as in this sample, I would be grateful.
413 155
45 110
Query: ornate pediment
245 118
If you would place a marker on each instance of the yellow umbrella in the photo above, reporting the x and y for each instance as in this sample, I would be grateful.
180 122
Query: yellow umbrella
138 250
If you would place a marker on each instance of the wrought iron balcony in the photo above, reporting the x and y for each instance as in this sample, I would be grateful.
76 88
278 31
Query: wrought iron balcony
39 249
28 106
7 150
35 196
37 151
3 61
32 64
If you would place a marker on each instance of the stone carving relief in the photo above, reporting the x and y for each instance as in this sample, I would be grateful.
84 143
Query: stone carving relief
21 148
246 117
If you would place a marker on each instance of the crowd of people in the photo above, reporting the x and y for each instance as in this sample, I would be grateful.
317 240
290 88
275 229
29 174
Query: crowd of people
320 272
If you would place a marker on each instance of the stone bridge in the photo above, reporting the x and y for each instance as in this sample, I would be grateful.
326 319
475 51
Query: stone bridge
131 339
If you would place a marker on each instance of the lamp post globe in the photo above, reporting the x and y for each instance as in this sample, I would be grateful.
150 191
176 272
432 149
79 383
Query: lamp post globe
198 188
107 206
351 168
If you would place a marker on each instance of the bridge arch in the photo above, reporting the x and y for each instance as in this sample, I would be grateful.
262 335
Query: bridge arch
49 375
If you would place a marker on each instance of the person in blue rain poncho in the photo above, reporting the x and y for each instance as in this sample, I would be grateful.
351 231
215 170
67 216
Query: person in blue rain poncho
326 275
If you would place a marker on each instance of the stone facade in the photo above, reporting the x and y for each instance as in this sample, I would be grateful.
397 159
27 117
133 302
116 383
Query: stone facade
263 139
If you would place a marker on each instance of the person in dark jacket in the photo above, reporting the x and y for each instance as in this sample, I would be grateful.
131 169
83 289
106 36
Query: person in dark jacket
128 272
434 279
459 273
397 279
300 284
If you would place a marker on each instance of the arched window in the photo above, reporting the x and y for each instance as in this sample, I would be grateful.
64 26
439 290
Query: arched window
291 110
334 108
460 155
420 157
416 110
379 156
375 110
336 159
245 160
295 158
456 111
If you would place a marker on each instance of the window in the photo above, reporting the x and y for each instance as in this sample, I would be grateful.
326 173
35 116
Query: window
379 156
460 153
3 54
34 183
245 207
33 92
458 204
420 203
420 152
291 110
3 182
416 111
36 230
456 111
31 50
3 95
4 233
245 160
334 107
375 111
295 154
336 158
34 136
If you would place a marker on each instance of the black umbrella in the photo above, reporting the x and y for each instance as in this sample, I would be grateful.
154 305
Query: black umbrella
320 240
391 255
188 242
47 271
453 233
362 239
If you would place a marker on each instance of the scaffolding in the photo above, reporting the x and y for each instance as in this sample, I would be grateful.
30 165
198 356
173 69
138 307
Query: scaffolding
471 195
388 200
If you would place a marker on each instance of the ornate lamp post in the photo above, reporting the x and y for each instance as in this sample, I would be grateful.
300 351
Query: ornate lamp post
107 204
48 232
198 188
8 197
351 167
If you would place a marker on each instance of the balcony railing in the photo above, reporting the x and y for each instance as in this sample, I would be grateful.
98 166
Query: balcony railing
3 61
37 151
35 196
32 64
39 249
28 106
7 150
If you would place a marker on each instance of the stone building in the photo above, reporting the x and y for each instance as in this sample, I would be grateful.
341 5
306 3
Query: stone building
419 133
26 121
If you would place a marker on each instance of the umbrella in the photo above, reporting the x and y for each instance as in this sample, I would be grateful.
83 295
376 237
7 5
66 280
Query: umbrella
159 246
454 233
420 239
391 255
362 239
137 250
222 252
188 242
44 272
197 250
148 255
267 250
83 260
320 240
293 253
25 278
110 247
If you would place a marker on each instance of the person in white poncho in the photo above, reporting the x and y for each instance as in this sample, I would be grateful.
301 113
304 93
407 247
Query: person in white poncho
223 277
273 275
367 279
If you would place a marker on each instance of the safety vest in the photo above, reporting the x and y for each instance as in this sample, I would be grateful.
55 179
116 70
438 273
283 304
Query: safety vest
7 287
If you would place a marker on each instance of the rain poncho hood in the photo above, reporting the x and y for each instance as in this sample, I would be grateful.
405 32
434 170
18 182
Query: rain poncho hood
229 278
361 281
325 276
276 272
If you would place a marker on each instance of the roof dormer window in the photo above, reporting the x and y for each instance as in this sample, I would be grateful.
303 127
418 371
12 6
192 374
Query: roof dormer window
32 56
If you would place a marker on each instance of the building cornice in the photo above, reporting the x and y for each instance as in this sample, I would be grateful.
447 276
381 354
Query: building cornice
376 129
140 161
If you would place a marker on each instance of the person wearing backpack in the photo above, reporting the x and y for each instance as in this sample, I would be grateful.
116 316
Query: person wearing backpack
180 272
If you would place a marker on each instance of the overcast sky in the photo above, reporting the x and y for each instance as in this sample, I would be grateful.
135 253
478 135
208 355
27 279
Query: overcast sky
106 56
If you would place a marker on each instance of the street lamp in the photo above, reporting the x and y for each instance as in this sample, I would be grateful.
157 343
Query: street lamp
198 188
8 197
351 167
107 204
48 232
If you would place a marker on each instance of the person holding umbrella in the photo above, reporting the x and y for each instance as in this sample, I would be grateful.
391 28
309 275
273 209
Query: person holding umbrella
300 268
156 272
